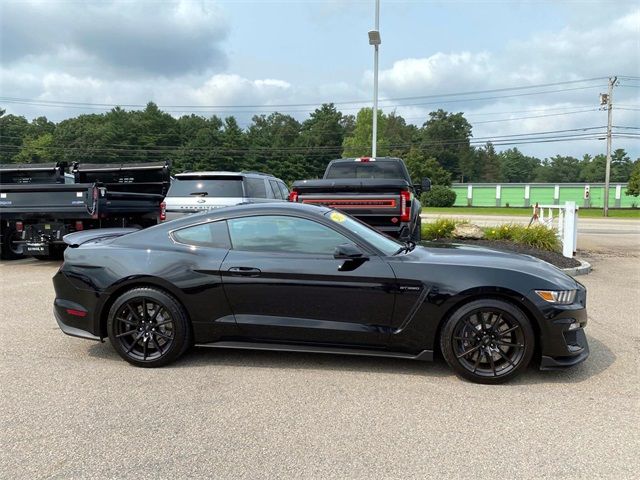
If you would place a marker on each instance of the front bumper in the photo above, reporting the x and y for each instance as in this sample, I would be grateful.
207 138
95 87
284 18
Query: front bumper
581 353
563 340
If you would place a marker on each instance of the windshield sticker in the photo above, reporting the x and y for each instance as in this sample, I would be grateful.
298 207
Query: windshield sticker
337 217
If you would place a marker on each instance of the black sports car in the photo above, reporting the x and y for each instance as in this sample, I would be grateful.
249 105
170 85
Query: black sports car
304 278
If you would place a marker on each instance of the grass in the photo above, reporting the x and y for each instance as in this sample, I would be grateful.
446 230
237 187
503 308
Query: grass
526 212
537 236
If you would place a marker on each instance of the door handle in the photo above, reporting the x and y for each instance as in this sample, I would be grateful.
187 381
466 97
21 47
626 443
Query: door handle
244 272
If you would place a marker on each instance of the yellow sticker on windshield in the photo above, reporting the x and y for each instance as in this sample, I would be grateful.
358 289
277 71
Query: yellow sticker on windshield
337 217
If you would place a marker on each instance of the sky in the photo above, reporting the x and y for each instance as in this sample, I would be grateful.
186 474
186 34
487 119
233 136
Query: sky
64 58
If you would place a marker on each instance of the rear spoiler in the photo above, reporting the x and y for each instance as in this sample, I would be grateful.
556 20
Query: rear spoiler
76 239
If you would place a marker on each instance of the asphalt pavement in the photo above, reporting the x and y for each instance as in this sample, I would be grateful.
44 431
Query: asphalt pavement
70 408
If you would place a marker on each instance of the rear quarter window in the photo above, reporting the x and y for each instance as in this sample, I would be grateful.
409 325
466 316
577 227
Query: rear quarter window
211 234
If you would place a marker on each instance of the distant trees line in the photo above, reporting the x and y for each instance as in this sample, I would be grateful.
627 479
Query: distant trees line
442 148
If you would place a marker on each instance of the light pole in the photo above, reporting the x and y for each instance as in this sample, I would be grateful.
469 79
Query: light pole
374 39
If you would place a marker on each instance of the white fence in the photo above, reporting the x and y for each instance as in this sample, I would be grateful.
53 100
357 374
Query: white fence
565 221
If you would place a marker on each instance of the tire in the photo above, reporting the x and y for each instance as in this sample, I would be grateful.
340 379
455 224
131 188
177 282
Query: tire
416 235
487 341
10 251
154 338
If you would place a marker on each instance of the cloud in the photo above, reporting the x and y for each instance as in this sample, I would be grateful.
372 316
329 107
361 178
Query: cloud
138 38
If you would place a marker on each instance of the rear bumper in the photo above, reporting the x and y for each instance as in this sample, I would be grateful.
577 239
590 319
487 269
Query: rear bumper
73 330
75 309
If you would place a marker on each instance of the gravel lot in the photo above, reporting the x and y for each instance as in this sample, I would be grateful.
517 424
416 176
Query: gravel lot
72 409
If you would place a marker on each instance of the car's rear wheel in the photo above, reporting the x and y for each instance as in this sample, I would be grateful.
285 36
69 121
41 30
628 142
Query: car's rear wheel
148 327
487 341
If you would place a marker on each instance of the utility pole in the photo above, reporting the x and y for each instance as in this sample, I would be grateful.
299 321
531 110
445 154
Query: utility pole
608 101
374 39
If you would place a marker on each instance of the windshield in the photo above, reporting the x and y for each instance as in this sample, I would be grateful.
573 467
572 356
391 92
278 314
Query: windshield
365 170
209 187
385 244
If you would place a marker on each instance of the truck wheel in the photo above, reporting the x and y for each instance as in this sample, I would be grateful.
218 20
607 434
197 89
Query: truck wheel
10 250
416 235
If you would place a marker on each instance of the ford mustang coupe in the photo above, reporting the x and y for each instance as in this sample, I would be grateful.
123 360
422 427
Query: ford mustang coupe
299 278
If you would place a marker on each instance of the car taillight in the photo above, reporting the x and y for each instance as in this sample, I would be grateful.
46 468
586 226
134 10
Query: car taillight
293 196
163 211
405 206
19 226
79 225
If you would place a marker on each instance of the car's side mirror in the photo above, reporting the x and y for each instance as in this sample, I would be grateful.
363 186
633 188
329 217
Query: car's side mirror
348 251
426 184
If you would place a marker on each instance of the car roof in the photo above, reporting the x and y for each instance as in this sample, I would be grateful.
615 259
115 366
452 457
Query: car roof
220 174
248 209
371 159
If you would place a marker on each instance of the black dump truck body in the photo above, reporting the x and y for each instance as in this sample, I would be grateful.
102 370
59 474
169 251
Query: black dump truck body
37 207
378 191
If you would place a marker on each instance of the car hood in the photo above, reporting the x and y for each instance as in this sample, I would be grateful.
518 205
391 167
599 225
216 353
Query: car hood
473 256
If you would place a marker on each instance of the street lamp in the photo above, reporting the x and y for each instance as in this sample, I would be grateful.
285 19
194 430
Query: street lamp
374 39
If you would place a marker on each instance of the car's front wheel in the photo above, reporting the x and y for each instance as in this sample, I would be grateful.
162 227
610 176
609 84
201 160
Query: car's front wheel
487 341
148 327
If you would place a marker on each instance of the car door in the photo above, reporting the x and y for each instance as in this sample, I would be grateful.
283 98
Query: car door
283 284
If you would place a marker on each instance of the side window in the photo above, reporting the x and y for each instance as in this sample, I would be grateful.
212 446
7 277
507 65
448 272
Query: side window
212 234
283 190
275 189
275 233
255 187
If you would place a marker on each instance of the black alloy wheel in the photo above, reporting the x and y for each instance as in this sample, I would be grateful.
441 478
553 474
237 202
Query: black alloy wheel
148 327
487 341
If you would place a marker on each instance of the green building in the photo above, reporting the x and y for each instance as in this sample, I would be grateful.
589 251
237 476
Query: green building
586 195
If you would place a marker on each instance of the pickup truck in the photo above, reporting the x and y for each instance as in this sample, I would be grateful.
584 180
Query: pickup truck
378 191
39 204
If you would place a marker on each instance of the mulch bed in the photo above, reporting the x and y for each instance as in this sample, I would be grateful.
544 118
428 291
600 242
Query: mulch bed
552 257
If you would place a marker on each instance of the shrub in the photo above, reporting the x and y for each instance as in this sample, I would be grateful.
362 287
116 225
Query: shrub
537 236
441 228
438 196
500 232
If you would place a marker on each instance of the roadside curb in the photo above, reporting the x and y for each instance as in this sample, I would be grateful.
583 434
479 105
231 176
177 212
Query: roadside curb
583 269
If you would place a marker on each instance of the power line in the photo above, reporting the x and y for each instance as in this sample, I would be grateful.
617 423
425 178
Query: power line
42 102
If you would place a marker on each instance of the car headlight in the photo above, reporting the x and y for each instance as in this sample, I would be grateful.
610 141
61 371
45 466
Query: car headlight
560 297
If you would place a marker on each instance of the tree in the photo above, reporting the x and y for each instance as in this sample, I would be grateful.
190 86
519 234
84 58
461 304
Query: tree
420 166
13 129
358 143
489 164
634 180
37 150
271 146
321 137
446 137
516 167
558 169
